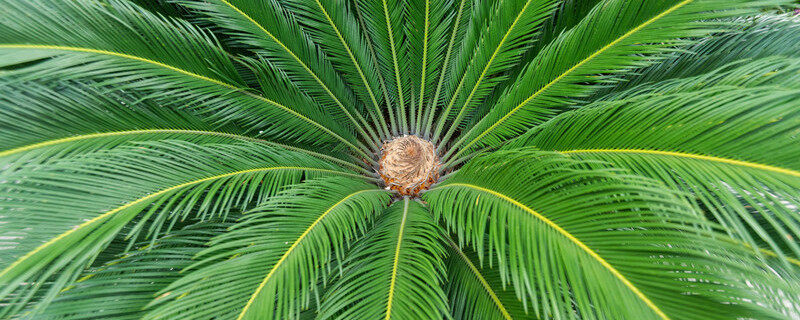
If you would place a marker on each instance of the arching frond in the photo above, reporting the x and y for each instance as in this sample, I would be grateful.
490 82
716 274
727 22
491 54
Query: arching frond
582 241
76 213
173 62
753 38
512 25
568 14
392 273
467 33
332 25
265 28
592 53
476 292
91 119
267 266
220 159
122 288
728 138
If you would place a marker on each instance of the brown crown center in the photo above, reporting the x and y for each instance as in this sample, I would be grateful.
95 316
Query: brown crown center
409 164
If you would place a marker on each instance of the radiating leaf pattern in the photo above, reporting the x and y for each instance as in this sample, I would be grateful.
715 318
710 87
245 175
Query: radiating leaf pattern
224 159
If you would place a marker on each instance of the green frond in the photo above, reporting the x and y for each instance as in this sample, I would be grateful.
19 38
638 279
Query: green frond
332 25
394 272
265 28
465 35
752 38
219 159
383 23
455 34
172 61
476 292
267 265
426 35
592 53
568 14
156 183
26 110
91 119
511 27
614 245
728 138
120 289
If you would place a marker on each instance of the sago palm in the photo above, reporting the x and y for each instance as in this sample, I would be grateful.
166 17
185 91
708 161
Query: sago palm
399 159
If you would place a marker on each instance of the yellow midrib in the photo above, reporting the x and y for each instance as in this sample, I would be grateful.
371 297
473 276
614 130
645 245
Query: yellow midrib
188 73
121 55
578 65
147 197
491 59
116 133
394 58
775 255
424 58
482 280
349 53
185 131
296 58
574 240
292 247
703 157
396 261
691 156
429 122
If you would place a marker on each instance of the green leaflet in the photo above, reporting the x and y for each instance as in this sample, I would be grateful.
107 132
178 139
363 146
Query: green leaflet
219 159
725 137
385 272
253 276
619 241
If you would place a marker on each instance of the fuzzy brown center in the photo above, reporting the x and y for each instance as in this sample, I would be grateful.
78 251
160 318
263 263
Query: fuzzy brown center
409 164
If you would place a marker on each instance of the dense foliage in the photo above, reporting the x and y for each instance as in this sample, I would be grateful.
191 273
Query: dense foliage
217 159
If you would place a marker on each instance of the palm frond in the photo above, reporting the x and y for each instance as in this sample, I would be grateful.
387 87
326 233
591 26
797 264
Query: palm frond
425 46
383 21
455 34
568 14
332 25
727 137
91 119
511 26
392 273
467 33
592 53
614 245
754 38
247 275
158 182
476 292
220 159
122 288
174 62
265 28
